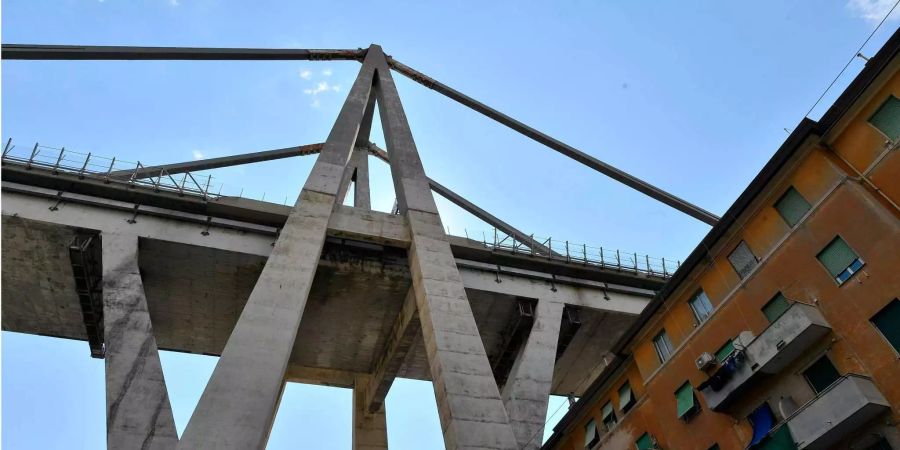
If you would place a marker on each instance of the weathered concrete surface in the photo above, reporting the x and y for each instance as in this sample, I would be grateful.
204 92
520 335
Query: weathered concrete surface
238 405
469 405
358 173
527 389
196 293
138 414
38 285
403 333
369 427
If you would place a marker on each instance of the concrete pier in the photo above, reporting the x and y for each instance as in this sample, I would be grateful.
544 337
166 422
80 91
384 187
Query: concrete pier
138 413
469 405
238 405
369 428
527 390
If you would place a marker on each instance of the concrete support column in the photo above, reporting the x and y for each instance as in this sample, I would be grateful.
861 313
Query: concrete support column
527 389
471 411
360 161
238 406
138 414
369 429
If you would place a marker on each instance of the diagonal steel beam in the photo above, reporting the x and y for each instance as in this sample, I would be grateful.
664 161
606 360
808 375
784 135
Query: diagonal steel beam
561 147
98 52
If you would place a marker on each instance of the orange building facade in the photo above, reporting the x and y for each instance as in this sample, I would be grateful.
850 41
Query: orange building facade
782 328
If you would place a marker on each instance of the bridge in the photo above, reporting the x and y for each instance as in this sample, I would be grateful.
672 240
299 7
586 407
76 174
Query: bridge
133 258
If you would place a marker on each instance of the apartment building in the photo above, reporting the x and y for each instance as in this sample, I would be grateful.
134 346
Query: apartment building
782 328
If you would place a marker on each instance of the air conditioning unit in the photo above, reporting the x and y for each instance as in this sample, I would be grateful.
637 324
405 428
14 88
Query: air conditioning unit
706 360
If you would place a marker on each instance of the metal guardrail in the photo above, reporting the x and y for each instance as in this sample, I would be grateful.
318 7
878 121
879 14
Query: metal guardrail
87 165
112 170
571 252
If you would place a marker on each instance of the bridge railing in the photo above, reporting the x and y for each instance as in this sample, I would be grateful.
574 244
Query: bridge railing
579 253
110 170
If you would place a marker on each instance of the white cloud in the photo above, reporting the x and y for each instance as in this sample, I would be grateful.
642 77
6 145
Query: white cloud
197 154
315 103
321 87
175 2
326 72
871 10
305 74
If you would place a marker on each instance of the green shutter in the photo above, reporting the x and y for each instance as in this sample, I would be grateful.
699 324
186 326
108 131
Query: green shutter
888 322
837 256
792 206
887 118
644 442
725 351
776 307
685 399
821 374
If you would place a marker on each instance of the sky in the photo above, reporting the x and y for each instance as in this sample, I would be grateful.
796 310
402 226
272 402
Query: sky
692 97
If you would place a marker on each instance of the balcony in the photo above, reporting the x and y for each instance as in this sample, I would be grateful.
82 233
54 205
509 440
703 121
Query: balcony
837 412
779 345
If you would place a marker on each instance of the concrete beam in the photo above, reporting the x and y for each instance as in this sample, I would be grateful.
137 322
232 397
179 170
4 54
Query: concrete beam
138 413
469 405
403 335
238 406
527 389
357 173
583 293
369 427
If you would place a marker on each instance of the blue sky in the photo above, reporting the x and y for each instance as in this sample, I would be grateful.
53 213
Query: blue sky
693 98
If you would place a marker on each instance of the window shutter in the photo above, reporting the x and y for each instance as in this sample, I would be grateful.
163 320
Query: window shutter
625 396
887 118
644 442
776 307
742 259
685 399
590 434
837 256
725 351
792 206
888 322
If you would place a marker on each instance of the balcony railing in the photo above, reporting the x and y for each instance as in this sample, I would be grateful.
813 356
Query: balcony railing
834 415
777 346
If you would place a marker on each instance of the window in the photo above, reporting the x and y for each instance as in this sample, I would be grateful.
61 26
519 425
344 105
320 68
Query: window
645 442
663 346
792 206
626 397
821 374
609 416
725 351
887 118
701 306
591 434
840 260
776 307
742 259
686 403
888 323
